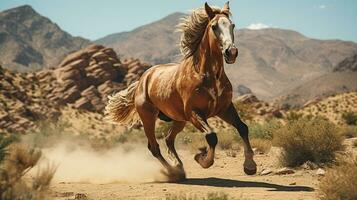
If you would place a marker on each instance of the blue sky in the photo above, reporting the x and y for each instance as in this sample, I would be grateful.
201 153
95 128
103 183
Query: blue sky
92 19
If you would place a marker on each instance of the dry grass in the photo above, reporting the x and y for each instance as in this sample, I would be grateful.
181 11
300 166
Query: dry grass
227 138
16 164
261 145
316 140
349 131
340 182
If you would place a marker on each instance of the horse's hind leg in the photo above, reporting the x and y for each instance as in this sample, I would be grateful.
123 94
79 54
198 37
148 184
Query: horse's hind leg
170 142
148 114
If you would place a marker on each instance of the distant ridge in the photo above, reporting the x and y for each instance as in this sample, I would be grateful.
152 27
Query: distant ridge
29 41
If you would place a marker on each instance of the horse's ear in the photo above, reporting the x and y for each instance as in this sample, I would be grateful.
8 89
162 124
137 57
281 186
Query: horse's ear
209 11
225 8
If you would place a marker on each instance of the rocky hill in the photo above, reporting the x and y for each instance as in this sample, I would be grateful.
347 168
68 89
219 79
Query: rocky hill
29 41
271 61
343 78
332 107
82 81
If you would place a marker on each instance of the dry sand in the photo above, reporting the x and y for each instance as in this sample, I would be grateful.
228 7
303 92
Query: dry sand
226 175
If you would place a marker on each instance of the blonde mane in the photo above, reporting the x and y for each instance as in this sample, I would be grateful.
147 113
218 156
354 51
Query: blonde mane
193 27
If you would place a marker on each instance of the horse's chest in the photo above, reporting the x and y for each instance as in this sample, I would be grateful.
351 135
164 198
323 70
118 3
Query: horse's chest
208 95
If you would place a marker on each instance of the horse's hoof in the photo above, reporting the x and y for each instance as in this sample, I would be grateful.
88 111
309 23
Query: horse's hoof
250 171
202 160
175 174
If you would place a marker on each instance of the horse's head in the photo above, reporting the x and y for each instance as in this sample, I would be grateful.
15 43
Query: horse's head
222 29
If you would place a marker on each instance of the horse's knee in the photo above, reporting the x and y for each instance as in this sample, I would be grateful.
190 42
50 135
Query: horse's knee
212 139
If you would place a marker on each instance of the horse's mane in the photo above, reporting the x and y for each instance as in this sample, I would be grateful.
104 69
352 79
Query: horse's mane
193 27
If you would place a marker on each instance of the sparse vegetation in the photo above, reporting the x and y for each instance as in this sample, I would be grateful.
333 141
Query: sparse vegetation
316 140
265 130
350 118
261 145
340 181
227 138
17 163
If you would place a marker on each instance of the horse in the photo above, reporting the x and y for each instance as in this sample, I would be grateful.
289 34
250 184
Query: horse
192 91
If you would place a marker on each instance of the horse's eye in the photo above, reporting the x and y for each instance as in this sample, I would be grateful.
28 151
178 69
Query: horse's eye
214 26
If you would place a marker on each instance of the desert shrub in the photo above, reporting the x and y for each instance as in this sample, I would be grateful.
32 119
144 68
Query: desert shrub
5 141
293 115
16 164
265 130
340 181
261 145
316 140
210 196
350 118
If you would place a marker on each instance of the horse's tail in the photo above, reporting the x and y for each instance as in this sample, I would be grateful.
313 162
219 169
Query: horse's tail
121 107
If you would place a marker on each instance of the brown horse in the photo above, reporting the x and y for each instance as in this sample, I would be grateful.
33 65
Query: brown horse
191 91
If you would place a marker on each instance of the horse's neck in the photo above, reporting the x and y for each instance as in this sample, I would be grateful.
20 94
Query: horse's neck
210 60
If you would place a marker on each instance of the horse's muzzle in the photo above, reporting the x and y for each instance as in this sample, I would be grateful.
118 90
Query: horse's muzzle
230 54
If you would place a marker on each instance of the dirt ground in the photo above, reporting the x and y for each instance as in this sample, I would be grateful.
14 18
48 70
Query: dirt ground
226 175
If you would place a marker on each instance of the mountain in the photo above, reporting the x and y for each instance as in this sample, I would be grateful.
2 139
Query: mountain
270 62
155 43
29 41
342 79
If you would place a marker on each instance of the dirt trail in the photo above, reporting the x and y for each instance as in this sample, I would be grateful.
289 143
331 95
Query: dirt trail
225 175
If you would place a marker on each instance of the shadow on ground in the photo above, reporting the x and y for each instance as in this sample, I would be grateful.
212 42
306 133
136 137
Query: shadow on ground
219 182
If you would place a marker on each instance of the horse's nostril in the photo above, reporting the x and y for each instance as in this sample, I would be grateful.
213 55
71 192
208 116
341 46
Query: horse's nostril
226 52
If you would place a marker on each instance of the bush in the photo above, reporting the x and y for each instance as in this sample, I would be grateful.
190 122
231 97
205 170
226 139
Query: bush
350 118
17 163
316 140
340 181
265 130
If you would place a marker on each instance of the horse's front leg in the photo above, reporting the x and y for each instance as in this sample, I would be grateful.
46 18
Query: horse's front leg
231 117
206 157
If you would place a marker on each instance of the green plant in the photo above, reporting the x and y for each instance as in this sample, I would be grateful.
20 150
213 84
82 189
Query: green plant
340 181
264 130
316 140
350 118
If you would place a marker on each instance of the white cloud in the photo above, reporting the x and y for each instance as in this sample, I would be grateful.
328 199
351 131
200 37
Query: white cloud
322 6
257 26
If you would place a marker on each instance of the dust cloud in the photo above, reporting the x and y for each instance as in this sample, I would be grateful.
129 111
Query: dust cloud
78 162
